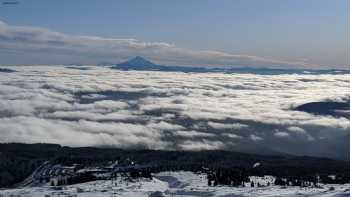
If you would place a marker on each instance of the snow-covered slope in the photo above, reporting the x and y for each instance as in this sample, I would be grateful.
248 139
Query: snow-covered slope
175 184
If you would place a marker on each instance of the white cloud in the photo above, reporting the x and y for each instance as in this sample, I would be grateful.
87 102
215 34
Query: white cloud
296 129
164 126
193 134
281 134
94 116
236 126
201 145
232 135
255 138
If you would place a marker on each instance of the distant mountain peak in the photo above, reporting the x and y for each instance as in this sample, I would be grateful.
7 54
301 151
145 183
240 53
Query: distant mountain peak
139 58
137 62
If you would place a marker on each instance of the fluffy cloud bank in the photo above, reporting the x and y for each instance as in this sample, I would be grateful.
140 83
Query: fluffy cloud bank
42 46
99 106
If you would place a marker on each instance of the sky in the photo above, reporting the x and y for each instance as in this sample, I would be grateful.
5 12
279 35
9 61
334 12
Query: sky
289 33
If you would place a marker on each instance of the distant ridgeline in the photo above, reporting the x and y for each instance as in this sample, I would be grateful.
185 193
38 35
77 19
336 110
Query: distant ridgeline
18 161
6 70
141 64
327 108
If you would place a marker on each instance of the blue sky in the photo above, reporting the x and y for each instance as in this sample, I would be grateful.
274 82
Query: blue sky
312 31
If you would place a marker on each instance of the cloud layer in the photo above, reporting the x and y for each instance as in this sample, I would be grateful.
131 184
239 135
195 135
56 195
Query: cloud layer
99 106
33 45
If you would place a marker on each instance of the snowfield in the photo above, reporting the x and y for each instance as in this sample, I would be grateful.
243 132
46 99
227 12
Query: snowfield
175 184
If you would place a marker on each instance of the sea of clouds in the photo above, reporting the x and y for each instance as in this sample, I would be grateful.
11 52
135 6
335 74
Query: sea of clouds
99 106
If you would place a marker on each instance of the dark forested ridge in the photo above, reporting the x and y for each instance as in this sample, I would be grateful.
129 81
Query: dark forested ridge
18 161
